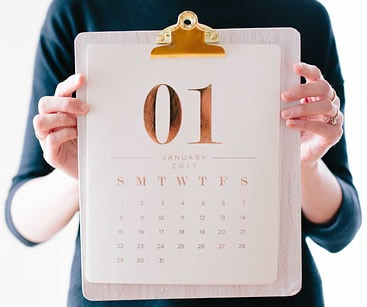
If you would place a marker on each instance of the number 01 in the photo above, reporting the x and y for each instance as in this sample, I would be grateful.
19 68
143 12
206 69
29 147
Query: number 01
176 114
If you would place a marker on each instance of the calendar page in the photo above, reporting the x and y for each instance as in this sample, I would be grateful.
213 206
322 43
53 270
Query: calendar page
182 167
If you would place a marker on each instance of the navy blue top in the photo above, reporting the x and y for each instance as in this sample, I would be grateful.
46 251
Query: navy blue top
55 62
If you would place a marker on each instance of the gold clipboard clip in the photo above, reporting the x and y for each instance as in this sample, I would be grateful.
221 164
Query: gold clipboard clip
187 38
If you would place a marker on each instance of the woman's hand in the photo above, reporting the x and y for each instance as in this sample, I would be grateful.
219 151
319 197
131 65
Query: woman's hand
317 117
56 125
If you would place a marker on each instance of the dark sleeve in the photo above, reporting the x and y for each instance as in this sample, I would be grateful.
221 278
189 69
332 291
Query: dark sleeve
340 231
53 63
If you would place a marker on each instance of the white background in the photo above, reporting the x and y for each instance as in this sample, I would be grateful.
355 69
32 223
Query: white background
37 276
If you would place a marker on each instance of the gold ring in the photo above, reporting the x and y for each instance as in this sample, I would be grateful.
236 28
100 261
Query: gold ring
333 120
333 100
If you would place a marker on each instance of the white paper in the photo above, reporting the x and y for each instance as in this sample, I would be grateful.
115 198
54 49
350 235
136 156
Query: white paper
128 241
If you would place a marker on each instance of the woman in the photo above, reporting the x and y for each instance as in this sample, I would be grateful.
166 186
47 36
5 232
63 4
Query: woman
46 187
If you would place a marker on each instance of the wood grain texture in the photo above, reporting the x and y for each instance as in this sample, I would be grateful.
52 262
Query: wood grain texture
289 277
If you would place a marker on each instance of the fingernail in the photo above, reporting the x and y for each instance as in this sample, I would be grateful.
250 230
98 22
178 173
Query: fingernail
299 65
76 78
286 113
84 106
285 95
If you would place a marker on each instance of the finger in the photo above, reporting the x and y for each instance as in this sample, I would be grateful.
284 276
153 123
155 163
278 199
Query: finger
43 123
335 98
331 133
70 85
322 107
55 139
338 118
50 104
310 72
320 88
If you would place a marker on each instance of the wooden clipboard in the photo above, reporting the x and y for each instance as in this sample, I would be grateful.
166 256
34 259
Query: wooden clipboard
289 278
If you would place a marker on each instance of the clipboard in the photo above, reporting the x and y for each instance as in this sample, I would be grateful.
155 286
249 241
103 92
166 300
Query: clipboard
189 39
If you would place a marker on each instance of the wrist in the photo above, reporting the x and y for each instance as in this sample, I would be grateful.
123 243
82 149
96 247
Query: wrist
310 167
71 189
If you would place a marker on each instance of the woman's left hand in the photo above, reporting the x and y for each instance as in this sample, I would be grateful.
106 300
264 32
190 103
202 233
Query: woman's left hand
317 117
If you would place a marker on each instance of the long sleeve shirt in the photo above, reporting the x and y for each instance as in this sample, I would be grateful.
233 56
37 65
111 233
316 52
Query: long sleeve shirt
55 62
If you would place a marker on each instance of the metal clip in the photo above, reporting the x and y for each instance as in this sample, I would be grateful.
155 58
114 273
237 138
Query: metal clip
187 38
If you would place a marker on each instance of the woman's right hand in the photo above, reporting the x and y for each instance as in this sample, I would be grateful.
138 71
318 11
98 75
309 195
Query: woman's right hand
56 125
